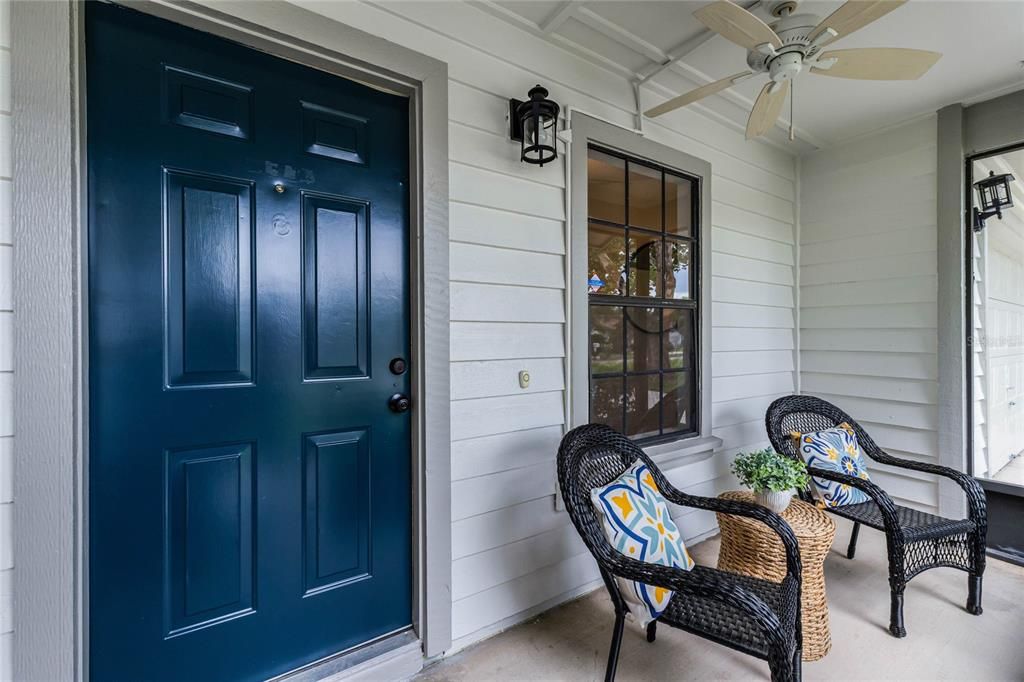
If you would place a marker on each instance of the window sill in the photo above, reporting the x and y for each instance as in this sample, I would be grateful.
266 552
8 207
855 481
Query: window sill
684 451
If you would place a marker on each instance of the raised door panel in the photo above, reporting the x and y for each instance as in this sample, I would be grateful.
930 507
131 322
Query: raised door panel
216 105
335 287
337 509
209 299
334 134
209 536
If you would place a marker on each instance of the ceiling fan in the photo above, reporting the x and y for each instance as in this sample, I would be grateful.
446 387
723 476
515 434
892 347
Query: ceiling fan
794 43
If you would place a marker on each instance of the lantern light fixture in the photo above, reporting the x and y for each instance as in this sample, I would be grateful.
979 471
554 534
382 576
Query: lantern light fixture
533 124
994 195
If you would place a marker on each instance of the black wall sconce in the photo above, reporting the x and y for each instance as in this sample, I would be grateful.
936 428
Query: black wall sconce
994 195
534 124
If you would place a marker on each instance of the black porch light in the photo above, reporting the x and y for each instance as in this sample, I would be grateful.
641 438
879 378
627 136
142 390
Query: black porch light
994 195
533 123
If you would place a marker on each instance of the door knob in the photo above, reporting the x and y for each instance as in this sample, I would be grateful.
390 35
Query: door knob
399 402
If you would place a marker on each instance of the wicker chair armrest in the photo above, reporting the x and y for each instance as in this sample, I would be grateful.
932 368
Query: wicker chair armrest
703 585
975 493
738 508
877 495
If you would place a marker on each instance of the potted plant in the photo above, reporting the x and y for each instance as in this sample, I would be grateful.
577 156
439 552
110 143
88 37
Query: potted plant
771 476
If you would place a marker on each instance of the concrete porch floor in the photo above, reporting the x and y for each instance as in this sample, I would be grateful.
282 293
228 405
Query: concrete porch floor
944 642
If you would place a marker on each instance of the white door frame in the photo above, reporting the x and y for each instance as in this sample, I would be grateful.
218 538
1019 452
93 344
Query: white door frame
50 283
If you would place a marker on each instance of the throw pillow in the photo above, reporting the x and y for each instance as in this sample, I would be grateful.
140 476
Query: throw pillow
834 449
636 522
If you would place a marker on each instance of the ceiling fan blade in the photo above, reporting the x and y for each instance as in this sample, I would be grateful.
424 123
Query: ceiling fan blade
696 94
878 63
737 24
853 15
767 109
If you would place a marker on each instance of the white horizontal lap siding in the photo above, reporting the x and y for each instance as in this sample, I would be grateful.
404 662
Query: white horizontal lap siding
513 552
868 294
753 314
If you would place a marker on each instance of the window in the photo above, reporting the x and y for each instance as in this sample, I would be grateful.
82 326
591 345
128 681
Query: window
642 301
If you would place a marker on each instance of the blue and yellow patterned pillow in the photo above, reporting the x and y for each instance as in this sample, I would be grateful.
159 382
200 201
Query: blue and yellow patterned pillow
637 523
834 449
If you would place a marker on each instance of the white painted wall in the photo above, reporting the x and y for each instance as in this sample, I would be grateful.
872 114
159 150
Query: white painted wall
513 553
868 274
6 352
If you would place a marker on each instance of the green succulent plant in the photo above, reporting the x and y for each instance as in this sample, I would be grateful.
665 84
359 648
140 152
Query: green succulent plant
768 470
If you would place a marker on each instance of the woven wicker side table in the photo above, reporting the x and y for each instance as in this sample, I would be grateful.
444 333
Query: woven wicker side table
751 548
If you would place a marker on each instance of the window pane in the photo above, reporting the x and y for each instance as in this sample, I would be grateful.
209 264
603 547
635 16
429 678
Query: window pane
644 197
606 402
605 339
678 401
643 339
677 269
642 394
644 264
677 350
606 247
678 205
606 187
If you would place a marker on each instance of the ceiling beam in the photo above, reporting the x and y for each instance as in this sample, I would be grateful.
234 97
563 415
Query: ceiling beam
620 35
677 53
557 39
560 16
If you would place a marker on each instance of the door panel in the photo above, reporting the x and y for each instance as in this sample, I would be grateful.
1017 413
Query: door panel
337 521
210 550
209 280
249 489
335 286
207 103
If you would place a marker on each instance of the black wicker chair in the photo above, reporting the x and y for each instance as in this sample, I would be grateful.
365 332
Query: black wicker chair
916 541
756 617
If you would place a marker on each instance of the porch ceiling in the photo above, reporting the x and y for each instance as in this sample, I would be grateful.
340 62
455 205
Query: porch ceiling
634 36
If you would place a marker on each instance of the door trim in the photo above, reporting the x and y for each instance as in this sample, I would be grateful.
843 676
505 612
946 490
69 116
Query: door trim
50 276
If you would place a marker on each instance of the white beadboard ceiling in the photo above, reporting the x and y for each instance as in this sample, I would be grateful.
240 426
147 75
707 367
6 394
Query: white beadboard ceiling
982 42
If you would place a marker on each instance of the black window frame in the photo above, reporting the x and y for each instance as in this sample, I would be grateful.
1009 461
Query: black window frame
624 300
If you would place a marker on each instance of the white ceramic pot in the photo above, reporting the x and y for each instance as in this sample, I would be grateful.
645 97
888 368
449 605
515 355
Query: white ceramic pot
778 502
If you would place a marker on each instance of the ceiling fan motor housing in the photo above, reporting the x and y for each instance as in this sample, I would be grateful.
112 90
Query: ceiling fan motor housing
785 66
787 61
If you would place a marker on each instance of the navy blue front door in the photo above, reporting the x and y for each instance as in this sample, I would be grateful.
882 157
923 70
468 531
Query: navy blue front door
249 487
